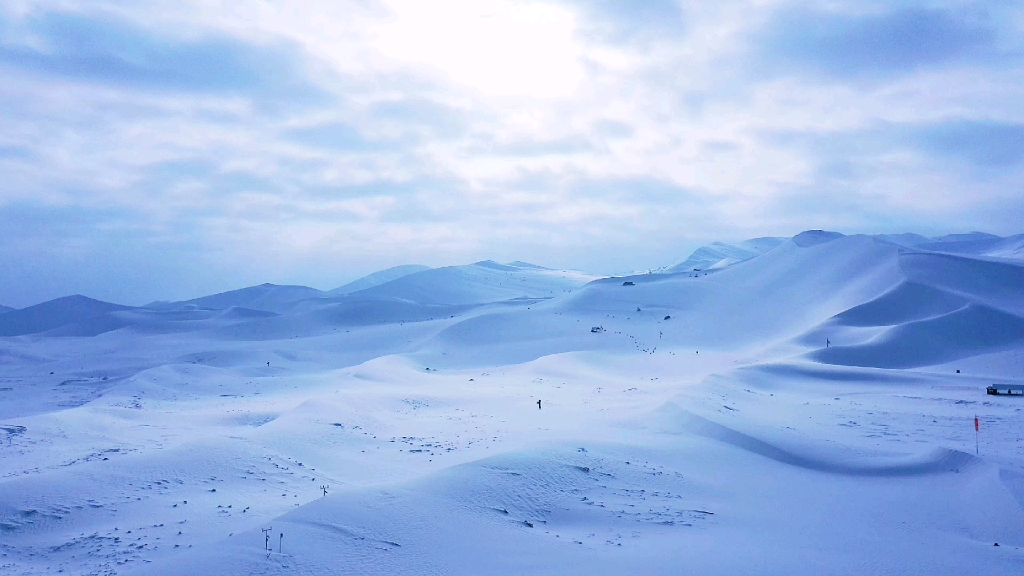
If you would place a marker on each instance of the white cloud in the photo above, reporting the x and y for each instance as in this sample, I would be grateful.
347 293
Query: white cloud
500 48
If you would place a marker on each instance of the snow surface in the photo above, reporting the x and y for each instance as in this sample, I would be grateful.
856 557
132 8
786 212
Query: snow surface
54 314
266 297
478 283
706 429
720 254
380 277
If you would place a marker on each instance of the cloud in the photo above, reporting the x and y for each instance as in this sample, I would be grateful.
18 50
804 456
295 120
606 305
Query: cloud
438 119
335 136
983 143
920 175
112 254
104 50
621 22
212 146
496 48
572 144
979 144
15 152
886 43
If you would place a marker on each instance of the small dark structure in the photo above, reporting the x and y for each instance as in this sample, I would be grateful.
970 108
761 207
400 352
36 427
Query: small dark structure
628 283
668 317
266 543
1011 389
597 329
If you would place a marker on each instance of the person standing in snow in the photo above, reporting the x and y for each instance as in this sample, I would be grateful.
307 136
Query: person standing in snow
538 404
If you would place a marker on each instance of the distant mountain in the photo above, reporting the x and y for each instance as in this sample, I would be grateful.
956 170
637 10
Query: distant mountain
265 297
54 314
862 301
969 237
5 309
478 283
1012 247
977 244
719 254
378 278
908 240
814 237
496 266
521 264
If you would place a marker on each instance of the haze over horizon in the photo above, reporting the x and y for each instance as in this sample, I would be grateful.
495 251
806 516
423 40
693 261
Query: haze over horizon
714 255
165 150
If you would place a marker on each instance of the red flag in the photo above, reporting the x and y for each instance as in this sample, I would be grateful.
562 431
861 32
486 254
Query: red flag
976 424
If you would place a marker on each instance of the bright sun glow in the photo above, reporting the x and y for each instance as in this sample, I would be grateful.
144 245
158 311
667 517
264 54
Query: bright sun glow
499 48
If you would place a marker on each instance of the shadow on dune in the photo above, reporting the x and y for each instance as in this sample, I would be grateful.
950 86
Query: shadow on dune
936 462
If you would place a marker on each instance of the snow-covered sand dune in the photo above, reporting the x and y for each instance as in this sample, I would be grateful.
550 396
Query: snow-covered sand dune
266 297
721 254
54 314
378 278
795 409
478 283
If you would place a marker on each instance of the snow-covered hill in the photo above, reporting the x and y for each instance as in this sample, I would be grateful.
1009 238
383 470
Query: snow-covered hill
478 283
799 406
54 314
978 244
945 308
719 255
377 278
266 297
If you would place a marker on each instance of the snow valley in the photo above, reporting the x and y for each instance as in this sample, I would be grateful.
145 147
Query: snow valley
791 406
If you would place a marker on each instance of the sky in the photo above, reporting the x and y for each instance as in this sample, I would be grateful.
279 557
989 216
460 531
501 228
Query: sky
169 149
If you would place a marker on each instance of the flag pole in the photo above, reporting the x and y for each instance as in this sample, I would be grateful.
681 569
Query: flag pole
976 428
